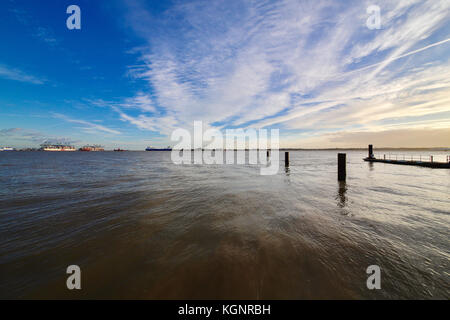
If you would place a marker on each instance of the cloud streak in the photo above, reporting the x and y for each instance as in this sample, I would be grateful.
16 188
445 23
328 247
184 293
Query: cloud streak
88 127
18 75
298 65
25 135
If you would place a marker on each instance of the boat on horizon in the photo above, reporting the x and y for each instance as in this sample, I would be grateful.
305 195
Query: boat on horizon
92 148
57 147
7 149
158 149
119 150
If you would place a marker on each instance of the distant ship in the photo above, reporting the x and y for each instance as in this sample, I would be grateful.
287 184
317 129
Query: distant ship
92 148
57 147
7 149
119 150
158 149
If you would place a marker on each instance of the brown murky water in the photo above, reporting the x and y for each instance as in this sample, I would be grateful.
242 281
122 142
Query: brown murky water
142 227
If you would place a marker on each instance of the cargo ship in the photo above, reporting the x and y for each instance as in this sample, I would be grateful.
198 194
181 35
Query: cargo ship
119 150
158 149
92 148
57 147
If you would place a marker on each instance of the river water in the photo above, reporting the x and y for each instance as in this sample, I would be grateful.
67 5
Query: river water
142 227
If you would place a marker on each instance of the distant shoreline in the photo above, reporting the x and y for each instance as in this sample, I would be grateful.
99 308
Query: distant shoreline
281 149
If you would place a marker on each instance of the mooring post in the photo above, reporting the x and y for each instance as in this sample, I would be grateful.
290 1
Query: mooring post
267 153
286 159
431 157
370 151
384 157
342 170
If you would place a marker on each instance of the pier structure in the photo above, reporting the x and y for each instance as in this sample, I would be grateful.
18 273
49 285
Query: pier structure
409 160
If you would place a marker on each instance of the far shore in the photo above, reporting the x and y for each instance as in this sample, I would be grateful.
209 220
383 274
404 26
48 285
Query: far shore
281 149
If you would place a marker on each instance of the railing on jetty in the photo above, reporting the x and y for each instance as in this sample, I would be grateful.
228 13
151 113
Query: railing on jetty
430 161
413 157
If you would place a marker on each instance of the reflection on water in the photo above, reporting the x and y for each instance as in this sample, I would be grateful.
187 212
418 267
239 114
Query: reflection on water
341 193
142 227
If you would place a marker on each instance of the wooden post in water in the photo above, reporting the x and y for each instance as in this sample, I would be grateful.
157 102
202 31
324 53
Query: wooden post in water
370 151
286 159
267 153
342 170
431 157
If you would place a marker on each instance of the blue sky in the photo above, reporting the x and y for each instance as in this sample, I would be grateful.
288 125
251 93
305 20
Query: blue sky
137 70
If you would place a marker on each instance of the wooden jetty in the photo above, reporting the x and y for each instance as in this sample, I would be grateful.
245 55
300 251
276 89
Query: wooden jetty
412 162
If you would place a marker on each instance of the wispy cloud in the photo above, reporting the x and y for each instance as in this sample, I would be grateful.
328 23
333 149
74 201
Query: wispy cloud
8 132
297 65
27 19
163 125
141 101
87 126
46 35
30 136
9 73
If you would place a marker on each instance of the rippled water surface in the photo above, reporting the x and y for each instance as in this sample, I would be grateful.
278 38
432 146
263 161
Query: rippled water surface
142 227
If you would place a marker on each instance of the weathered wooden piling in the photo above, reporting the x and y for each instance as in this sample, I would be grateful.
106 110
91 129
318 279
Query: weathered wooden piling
371 151
342 170
286 159
268 154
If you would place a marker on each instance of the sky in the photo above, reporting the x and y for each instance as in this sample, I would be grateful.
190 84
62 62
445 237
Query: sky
138 70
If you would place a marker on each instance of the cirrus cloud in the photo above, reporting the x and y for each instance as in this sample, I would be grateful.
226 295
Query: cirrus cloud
298 65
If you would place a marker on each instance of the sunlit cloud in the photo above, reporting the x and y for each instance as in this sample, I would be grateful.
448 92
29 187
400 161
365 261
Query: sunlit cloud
298 65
